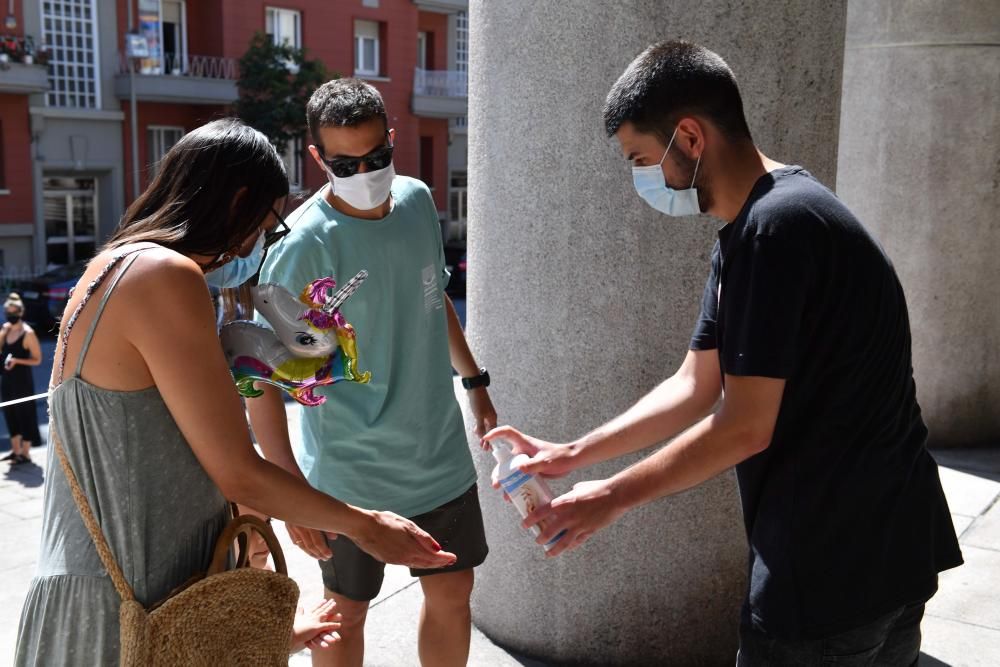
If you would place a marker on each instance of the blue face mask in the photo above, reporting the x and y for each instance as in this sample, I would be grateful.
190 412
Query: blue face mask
239 270
652 186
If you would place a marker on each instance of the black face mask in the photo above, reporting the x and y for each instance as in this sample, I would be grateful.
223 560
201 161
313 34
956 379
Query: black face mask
13 318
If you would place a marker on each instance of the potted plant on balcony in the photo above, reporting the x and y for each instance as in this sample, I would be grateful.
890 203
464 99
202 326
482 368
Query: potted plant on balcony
42 55
28 51
8 49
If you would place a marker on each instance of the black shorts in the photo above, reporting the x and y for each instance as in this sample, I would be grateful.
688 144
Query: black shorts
457 526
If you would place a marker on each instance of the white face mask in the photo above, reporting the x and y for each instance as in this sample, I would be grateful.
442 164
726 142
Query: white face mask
652 186
364 190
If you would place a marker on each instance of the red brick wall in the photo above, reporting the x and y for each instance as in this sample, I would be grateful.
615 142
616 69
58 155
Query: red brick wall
225 27
204 26
435 25
328 34
18 206
188 116
438 131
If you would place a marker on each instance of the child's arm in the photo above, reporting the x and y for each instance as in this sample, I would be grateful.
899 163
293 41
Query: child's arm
317 628
463 362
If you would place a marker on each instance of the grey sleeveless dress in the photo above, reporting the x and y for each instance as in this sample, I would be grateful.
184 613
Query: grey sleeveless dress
158 509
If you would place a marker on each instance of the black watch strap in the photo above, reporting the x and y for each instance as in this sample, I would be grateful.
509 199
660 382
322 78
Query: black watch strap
481 380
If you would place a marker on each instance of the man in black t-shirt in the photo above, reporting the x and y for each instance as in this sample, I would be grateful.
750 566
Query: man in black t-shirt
805 336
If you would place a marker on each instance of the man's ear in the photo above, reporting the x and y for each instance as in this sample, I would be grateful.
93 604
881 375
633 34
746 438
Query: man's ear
392 136
690 136
317 157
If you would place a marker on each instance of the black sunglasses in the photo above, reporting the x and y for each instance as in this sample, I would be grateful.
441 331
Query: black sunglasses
343 167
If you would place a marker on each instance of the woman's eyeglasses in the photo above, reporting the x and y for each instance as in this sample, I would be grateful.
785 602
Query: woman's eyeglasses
278 232
344 167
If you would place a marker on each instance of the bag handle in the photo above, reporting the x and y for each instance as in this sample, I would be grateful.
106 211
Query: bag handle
242 526
103 550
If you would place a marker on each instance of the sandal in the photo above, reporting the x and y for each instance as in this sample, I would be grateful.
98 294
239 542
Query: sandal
10 457
19 459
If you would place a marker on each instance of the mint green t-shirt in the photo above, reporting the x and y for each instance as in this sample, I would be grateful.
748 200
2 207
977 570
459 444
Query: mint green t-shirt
397 443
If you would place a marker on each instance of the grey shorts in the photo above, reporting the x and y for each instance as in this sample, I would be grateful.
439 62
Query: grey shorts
457 526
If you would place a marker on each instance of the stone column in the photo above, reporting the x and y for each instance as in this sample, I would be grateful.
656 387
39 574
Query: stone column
919 146
582 298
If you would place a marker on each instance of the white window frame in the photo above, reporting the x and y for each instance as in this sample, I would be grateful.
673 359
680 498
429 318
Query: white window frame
292 157
461 57
90 101
157 64
362 34
184 41
458 225
157 146
71 238
422 50
273 21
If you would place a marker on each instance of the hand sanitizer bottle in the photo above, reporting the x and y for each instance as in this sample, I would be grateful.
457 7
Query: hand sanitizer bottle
526 492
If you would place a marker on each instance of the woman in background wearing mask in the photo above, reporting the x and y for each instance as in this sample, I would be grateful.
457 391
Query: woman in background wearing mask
20 352
145 408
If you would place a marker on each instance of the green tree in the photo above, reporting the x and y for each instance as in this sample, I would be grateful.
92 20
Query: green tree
274 85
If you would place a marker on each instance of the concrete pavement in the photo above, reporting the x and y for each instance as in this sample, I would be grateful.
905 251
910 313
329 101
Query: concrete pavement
961 628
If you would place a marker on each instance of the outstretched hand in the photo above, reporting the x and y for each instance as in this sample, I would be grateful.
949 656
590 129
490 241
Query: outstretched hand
392 539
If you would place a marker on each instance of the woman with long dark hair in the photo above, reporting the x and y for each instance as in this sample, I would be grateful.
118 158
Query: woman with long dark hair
144 405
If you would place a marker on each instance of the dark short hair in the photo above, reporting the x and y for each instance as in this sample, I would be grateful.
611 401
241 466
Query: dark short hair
343 103
189 205
673 79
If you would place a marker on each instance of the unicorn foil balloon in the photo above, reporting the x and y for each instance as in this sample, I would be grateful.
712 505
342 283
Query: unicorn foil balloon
311 345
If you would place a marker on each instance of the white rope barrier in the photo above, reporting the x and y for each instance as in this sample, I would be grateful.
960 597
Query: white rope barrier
24 400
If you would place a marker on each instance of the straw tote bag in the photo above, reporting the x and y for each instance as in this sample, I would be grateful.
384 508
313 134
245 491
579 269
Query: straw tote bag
241 616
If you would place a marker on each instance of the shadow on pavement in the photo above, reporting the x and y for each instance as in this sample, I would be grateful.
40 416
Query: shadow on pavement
29 475
930 661
979 461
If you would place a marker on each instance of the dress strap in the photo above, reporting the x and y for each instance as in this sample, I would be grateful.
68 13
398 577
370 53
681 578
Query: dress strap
91 289
100 311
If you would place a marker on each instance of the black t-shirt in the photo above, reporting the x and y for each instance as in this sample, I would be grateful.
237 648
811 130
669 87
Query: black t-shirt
844 511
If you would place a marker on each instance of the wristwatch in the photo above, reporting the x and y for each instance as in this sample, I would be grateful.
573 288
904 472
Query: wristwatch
481 380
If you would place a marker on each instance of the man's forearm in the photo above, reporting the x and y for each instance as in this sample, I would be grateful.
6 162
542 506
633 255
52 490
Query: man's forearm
661 414
713 445
270 425
462 359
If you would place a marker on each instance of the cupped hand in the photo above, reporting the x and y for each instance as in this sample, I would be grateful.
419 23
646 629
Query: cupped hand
316 628
393 539
312 541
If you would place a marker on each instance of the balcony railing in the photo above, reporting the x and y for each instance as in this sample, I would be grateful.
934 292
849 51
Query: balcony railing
442 6
440 83
178 79
201 67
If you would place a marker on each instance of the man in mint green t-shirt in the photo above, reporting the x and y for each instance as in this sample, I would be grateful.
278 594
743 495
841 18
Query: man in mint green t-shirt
397 443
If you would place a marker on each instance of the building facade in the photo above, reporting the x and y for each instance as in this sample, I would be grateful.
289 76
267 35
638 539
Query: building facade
70 143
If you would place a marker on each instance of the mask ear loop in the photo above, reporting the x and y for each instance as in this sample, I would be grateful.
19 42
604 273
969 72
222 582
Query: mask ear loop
695 176
219 261
669 144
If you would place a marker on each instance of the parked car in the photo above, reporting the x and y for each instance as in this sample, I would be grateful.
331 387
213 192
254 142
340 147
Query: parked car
45 297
